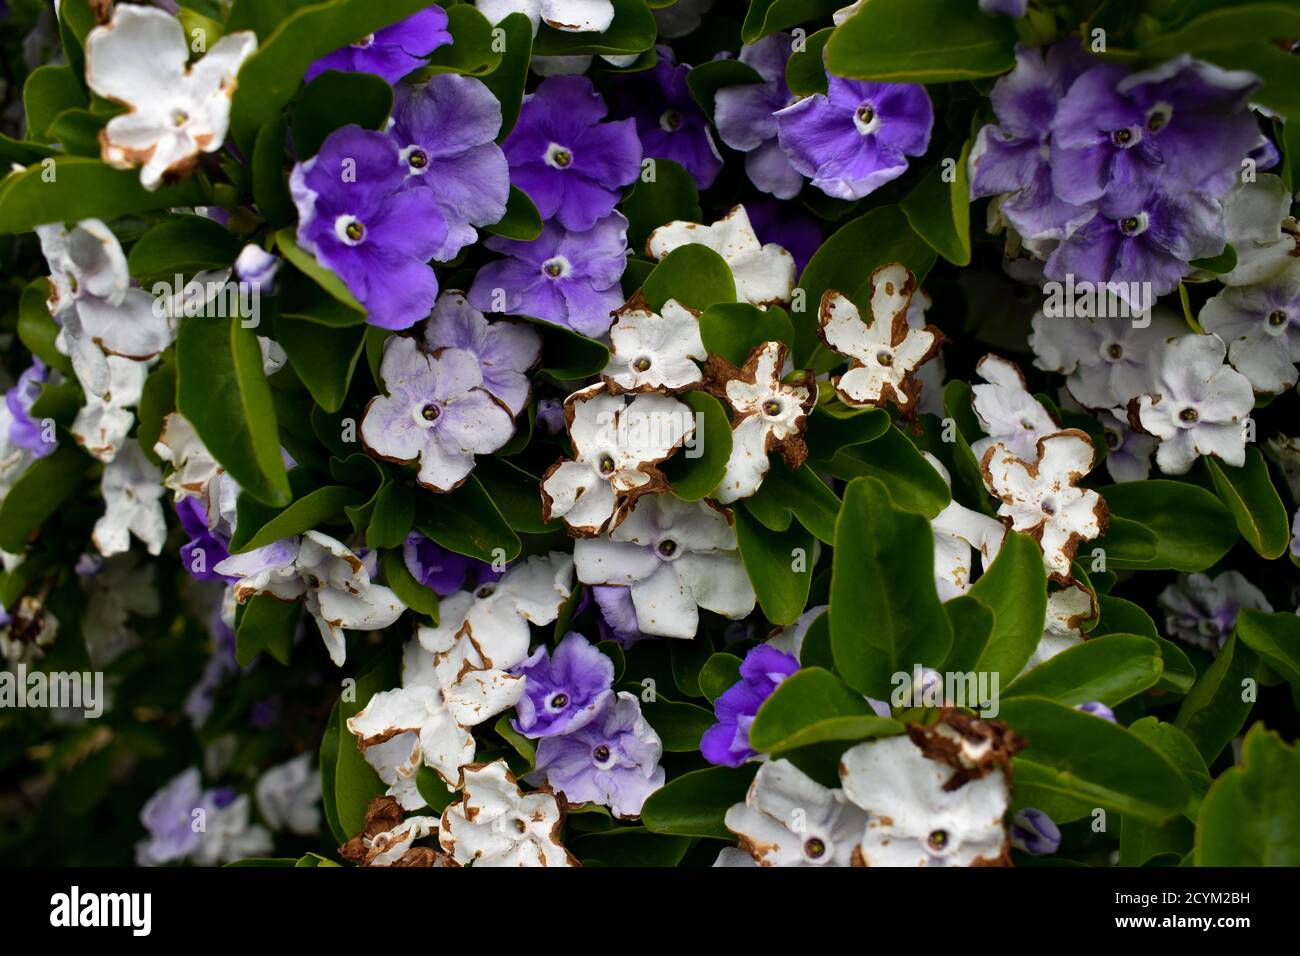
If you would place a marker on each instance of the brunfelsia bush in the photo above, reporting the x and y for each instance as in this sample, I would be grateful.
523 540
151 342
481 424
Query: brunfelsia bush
676 434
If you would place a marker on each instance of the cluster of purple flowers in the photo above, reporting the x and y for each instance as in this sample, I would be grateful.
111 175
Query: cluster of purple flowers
1116 175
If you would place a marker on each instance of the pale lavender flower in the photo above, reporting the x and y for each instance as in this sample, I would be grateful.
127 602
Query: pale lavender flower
504 350
745 116
1033 832
168 818
1203 611
1097 709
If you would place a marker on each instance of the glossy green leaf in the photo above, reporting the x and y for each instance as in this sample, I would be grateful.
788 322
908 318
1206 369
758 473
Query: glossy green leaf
1014 588
1251 816
694 275
1107 669
812 706
71 188
1274 637
1255 505
334 100
779 565
695 803
1193 528
695 469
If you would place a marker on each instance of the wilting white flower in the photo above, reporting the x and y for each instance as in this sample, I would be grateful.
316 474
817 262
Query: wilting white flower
958 533
676 557
1041 499
570 16
386 838
195 473
1006 411
429 719
617 443
654 351
495 824
488 627
929 799
102 424
123 588
767 415
764 274
1196 404
1203 611
1260 228
1104 359
230 835
335 584
131 487
885 351
789 819
288 796
25 634
1261 324
1067 611
175 111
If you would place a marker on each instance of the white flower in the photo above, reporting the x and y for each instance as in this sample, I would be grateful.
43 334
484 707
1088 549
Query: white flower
1067 611
288 796
652 351
488 627
429 718
958 532
1261 229
334 582
1006 411
495 824
1196 406
617 442
789 819
14 459
1041 499
102 424
175 111
676 557
764 274
790 638
569 16
932 374
767 415
123 588
922 809
195 473
229 836
885 351
131 487
1104 359
1261 324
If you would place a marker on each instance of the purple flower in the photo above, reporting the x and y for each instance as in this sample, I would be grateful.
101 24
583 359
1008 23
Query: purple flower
669 122
1033 832
1135 241
24 430
1097 709
568 278
441 571
613 760
1184 120
505 350
435 410
1203 611
746 117
167 816
1006 8
356 218
392 52
617 618
1011 157
204 550
565 690
857 136
569 162
446 131
726 743
550 415
786 225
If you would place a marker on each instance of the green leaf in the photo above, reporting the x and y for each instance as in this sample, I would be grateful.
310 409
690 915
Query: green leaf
38 493
832 427
679 725
768 16
411 592
1216 707
270 187
307 513
265 624
972 625
633 31
695 803
521 220
1279 70
921 41
1251 816
514 492
473 50
1250 496
435 793
885 613
719 673
269 78
670 196
733 329
845 262
1107 669
184 245
1274 637
222 390
1127 542
323 356
1091 759
695 470
507 81
1225 261
1210 26
805 71
1014 588
355 782
566 355
800 493
334 100
37 329
328 761
305 262
49 91
779 565
1193 528
71 188
467 522
629 847
522 745
812 706
694 275
938 207
707 78
157 401
895 461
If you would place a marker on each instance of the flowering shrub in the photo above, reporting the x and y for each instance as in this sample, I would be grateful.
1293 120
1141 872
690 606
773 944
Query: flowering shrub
521 433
